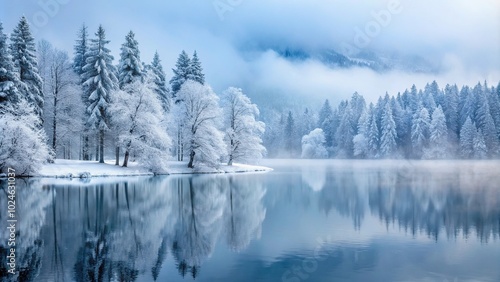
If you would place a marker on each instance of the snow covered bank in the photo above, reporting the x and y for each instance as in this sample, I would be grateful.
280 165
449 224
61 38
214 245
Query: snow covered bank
85 169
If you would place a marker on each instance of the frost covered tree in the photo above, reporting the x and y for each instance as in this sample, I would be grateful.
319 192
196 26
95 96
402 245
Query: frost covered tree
467 134
438 140
388 138
196 70
243 130
137 113
479 145
182 72
63 109
313 145
290 134
22 140
199 114
80 50
23 53
161 88
130 66
9 94
324 114
420 131
100 80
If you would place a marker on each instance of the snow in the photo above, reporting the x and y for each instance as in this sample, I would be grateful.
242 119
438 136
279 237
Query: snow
75 168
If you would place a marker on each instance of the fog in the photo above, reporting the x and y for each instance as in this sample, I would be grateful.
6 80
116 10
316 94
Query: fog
232 39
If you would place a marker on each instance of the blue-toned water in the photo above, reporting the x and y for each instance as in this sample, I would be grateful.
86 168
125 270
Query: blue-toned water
305 221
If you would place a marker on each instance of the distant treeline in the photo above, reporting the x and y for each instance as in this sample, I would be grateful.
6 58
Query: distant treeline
430 123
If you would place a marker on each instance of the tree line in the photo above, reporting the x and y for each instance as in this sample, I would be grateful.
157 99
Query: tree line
430 123
85 108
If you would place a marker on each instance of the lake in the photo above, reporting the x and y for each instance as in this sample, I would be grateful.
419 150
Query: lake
325 220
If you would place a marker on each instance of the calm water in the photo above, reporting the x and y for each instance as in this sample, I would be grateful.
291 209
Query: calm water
305 221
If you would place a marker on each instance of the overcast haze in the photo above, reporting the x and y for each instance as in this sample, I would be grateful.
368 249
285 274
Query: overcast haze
461 36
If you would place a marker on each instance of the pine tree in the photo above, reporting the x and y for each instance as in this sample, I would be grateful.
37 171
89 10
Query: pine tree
479 145
324 114
388 140
290 134
438 136
373 133
161 88
420 131
485 122
9 95
196 70
23 53
100 80
80 50
130 67
182 72
467 134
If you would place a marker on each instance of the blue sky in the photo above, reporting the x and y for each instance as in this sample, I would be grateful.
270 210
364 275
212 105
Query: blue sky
461 35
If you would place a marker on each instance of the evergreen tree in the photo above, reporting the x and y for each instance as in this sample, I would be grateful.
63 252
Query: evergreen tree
100 80
485 122
182 72
450 109
130 67
324 114
438 136
479 145
161 88
373 133
196 70
420 131
388 140
80 50
23 53
9 94
344 135
290 133
467 134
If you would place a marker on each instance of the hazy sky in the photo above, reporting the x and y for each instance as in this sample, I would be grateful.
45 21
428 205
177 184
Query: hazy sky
461 35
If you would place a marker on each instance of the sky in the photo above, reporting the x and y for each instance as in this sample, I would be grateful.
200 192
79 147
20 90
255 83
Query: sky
461 36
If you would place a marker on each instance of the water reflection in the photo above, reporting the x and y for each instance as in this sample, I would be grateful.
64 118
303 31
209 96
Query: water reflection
143 229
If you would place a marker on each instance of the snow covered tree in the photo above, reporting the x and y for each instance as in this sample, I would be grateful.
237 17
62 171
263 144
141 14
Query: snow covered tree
313 145
199 114
80 50
22 140
137 113
100 80
344 135
182 72
467 134
451 112
388 134
484 121
438 145
420 131
130 66
196 70
290 134
243 131
360 140
324 114
479 145
63 110
161 88
373 133
9 94
23 53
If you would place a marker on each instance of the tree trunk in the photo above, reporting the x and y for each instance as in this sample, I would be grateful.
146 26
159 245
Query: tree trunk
54 125
97 143
191 159
85 149
101 146
117 155
230 162
125 159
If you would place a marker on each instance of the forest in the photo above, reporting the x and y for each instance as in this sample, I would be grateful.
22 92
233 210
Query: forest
53 106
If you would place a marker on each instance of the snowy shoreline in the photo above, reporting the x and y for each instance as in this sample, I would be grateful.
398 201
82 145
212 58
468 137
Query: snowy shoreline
88 169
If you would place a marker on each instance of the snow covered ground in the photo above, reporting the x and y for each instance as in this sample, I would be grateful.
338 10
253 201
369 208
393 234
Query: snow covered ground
74 168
